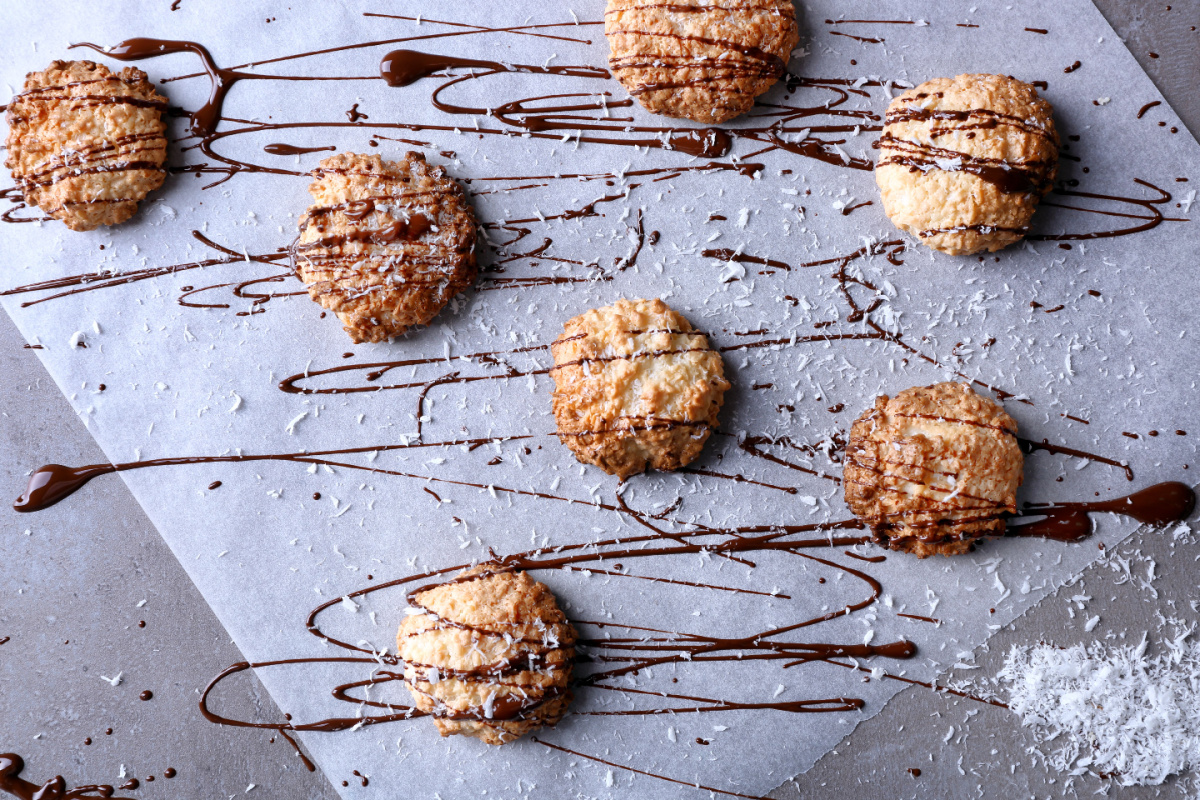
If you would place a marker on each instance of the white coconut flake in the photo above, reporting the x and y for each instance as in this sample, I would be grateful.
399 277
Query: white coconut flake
1111 710
291 426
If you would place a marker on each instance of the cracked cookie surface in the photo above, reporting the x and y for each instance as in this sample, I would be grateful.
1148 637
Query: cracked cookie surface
704 61
636 387
488 654
386 245
85 144
964 161
933 469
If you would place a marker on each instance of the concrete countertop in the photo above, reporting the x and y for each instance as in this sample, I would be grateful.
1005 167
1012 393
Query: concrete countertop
72 579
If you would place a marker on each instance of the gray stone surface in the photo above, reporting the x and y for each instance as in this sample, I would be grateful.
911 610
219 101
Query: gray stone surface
71 579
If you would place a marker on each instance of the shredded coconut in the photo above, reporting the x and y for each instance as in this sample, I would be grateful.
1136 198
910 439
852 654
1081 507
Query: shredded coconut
1111 711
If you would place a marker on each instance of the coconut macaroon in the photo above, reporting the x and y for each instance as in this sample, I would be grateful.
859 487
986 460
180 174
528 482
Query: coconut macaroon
933 469
964 161
636 387
385 245
86 144
704 60
488 654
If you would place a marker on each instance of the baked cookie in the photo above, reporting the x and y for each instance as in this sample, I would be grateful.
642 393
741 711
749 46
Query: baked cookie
636 386
933 469
385 245
964 161
705 60
86 144
489 655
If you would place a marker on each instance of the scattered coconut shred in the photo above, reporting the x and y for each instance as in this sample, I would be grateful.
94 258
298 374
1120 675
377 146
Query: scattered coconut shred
1111 711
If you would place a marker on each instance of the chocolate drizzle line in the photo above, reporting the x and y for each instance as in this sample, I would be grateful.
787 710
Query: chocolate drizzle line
1028 446
614 657
1157 505
11 782
292 150
586 115
53 482
1151 218
540 117
1027 176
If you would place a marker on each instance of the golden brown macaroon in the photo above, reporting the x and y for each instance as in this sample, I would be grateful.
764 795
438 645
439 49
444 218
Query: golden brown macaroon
704 60
489 655
385 245
933 469
86 144
636 386
964 161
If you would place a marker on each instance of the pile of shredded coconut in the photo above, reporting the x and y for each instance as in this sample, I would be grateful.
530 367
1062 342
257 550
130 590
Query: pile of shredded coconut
1111 711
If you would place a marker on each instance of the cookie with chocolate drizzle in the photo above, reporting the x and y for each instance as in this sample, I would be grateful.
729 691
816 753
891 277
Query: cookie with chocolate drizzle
705 60
933 469
385 245
964 161
635 387
85 144
488 654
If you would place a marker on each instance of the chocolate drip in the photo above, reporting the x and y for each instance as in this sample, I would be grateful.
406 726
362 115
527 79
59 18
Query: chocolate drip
869 22
863 39
1157 505
1028 446
293 150
688 783
204 121
53 482
405 67
11 766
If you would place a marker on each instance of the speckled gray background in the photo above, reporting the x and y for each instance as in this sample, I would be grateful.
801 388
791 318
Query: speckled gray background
71 578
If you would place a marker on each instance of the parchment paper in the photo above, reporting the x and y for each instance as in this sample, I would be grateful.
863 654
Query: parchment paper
203 381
